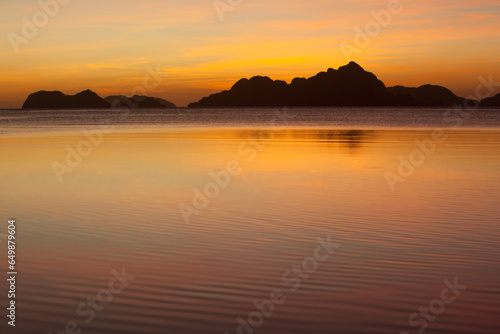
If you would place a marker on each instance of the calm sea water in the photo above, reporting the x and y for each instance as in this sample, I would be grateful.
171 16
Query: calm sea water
116 206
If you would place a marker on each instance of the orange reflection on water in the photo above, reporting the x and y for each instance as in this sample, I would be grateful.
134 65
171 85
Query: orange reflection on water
120 207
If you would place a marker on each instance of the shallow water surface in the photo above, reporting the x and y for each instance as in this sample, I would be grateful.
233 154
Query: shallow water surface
249 235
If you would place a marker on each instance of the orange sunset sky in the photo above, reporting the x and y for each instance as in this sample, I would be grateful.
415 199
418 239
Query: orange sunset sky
107 46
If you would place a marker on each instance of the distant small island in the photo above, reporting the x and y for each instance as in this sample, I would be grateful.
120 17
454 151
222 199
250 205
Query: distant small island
90 100
138 102
350 85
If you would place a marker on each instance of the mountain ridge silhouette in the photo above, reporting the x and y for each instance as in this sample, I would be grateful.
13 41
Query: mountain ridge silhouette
491 102
349 85
88 99
138 102
57 100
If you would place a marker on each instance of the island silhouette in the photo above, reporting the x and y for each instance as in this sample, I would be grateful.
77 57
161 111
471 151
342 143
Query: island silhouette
57 100
90 100
491 102
138 101
349 85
